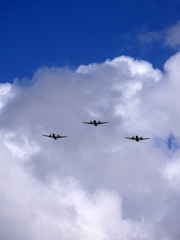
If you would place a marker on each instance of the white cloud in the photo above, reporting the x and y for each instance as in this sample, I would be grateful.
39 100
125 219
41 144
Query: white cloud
169 36
172 173
173 36
5 93
20 147
94 184
148 37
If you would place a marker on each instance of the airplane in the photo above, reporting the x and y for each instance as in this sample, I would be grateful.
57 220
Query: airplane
95 123
54 136
136 138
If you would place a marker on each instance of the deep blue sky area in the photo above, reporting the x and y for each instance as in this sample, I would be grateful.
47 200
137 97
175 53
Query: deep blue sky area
73 32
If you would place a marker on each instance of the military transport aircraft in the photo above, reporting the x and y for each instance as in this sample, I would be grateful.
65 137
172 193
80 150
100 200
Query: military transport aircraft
95 123
54 136
136 138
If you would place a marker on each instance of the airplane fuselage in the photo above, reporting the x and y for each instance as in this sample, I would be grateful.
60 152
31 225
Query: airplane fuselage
54 136
137 138
95 123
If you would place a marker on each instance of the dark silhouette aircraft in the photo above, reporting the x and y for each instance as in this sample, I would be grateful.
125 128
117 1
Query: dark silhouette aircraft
54 136
95 123
136 138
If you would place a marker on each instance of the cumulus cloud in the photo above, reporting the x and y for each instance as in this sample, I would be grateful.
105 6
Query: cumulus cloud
94 184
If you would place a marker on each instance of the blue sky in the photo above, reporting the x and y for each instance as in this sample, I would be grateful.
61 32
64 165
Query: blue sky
59 33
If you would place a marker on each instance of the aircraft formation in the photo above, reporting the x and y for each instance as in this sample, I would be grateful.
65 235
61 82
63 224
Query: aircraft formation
96 123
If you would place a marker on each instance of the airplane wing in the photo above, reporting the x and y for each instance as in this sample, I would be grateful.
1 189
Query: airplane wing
144 138
129 138
88 122
47 136
61 136
101 122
